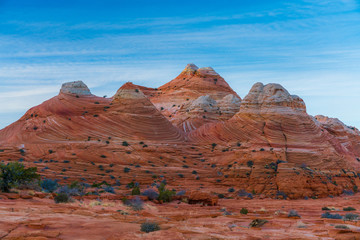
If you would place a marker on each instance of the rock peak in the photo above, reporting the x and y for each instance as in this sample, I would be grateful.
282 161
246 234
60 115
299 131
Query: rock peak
272 94
207 71
129 91
76 87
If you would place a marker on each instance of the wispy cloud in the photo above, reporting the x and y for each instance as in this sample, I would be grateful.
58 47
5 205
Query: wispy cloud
312 48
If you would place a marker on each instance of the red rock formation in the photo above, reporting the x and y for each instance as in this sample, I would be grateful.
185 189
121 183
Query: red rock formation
195 97
267 144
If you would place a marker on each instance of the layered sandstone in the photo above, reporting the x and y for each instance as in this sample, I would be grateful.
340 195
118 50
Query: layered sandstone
195 132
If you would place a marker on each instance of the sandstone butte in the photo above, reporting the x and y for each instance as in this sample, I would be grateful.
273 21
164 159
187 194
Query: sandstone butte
200 136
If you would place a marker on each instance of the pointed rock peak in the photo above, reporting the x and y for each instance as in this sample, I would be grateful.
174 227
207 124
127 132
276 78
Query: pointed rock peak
76 87
129 91
207 71
191 67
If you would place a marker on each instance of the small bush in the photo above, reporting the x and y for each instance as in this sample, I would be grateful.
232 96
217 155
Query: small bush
151 194
49 185
136 204
231 190
244 211
341 227
258 222
349 209
62 198
250 163
149 227
351 217
109 189
293 213
243 193
125 144
165 195
326 209
15 173
331 216
135 190
348 192
126 170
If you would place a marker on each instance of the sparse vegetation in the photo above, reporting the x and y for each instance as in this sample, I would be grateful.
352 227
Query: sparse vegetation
15 173
293 213
258 222
149 227
165 195
62 198
351 217
349 209
331 216
244 211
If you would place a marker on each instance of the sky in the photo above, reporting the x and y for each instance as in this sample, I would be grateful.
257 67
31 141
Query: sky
312 48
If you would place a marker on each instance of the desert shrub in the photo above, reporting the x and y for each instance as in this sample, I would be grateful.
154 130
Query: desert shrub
75 191
250 163
126 170
125 144
150 193
282 194
149 227
15 173
221 195
243 193
293 213
33 185
331 216
231 190
349 209
244 211
62 198
49 185
109 189
348 192
351 217
136 204
326 209
135 190
258 222
165 195
341 227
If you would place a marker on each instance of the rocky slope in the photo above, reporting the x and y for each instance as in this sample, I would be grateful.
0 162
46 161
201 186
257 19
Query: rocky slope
195 132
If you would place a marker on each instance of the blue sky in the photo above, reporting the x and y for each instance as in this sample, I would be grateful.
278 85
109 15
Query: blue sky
312 48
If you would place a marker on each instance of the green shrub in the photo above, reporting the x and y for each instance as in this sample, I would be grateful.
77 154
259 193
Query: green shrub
341 227
244 211
15 173
62 198
349 209
165 195
135 190
149 227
